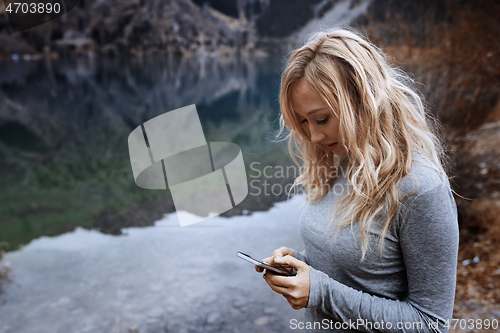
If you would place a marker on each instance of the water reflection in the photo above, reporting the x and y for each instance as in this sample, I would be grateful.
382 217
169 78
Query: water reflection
57 99
64 126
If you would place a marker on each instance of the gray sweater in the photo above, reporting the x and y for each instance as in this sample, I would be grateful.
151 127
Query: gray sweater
410 288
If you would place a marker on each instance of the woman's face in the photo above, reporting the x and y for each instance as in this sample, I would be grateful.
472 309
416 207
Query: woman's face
316 117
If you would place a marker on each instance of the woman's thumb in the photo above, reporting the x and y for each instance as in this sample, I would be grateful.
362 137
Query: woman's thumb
290 261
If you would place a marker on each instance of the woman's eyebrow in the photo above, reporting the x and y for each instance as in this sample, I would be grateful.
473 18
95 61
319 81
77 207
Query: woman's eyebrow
315 110
311 111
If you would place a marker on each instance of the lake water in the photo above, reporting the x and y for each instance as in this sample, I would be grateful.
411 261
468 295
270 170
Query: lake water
155 279
67 191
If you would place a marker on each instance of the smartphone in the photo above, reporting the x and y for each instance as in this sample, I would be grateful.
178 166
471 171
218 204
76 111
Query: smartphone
259 263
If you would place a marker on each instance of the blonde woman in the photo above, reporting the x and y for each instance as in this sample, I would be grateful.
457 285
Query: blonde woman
380 225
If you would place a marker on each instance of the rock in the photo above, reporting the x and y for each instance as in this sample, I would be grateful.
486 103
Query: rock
269 310
61 301
155 313
239 302
261 321
235 312
213 318
76 46
210 299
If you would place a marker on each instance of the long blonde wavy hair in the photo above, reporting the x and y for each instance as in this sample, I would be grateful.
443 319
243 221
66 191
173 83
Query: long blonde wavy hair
383 123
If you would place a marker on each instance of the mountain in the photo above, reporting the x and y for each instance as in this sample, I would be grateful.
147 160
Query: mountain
174 27
116 27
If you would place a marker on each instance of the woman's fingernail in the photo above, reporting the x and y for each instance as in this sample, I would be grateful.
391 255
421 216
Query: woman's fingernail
277 259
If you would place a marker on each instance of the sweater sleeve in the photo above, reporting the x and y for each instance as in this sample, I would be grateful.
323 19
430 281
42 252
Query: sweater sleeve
428 235
300 255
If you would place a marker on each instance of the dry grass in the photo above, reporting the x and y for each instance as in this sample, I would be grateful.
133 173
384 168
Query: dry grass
4 273
458 63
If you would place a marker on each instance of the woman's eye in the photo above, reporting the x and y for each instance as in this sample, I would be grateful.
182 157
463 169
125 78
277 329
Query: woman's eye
303 121
321 122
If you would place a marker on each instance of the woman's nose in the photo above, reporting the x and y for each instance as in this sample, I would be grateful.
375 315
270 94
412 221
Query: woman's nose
316 135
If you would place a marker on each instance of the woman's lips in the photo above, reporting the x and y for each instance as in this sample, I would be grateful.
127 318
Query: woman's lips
332 146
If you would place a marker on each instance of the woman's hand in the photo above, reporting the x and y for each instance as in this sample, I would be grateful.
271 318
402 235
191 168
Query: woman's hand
294 288
279 253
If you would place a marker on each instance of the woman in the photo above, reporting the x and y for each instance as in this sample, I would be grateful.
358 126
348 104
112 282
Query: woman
380 225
